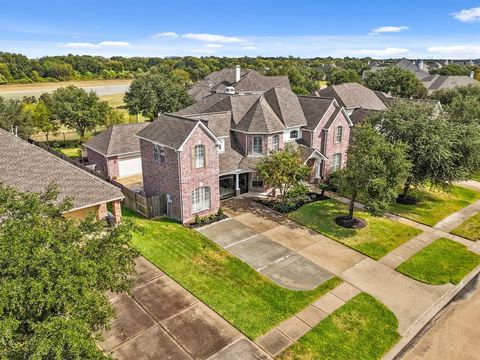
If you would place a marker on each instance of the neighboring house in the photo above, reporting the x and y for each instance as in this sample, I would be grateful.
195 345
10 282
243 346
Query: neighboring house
27 167
115 152
358 100
210 150
435 82
236 81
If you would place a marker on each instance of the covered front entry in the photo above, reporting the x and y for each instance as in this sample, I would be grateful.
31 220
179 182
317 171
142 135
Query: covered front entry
233 185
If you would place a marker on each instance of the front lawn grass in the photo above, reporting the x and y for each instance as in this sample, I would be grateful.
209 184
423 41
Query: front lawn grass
470 229
363 328
442 262
244 297
434 206
381 235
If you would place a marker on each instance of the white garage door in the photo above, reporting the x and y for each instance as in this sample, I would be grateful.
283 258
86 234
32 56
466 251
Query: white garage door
127 167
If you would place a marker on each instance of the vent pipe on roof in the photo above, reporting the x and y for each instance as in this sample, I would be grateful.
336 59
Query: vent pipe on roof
237 73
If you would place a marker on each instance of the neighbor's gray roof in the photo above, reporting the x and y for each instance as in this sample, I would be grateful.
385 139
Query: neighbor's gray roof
169 130
117 140
204 87
254 81
353 95
27 167
437 82
406 64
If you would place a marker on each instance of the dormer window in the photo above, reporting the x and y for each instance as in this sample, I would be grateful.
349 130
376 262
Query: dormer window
338 134
257 145
294 134
199 152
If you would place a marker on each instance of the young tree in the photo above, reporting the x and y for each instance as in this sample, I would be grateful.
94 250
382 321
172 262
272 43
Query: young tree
152 94
54 273
432 142
78 109
283 170
375 170
42 118
12 114
396 81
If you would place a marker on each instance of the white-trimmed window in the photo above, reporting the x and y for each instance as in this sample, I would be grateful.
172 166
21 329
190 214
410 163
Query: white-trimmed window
199 153
200 199
257 181
336 162
338 134
221 147
275 142
257 145
294 134
159 154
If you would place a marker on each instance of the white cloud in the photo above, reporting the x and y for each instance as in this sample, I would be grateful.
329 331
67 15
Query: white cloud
467 15
384 52
455 50
249 48
212 38
389 29
167 34
213 46
103 44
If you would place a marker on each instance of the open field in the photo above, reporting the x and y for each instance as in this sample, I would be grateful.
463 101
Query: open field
363 328
243 296
381 235
101 87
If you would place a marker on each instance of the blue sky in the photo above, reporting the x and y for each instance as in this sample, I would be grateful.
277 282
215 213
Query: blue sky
306 28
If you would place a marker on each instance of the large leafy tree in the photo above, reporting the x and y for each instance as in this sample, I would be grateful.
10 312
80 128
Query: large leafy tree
283 170
152 94
54 273
432 141
340 76
12 114
396 81
375 170
78 109
42 118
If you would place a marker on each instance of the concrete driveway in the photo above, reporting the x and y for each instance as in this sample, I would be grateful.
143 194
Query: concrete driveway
407 298
162 320
272 259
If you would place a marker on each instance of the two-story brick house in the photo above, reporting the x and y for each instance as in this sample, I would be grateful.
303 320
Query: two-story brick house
209 150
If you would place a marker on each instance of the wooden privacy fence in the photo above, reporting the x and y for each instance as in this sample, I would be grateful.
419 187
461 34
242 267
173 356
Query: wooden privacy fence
152 206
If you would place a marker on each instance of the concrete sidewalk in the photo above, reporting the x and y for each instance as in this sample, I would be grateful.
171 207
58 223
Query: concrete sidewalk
162 320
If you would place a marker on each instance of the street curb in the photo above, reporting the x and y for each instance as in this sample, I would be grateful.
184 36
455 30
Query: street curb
417 327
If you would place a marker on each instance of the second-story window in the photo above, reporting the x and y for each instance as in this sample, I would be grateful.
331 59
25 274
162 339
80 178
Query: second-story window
294 134
275 142
257 145
199 152
338 134
159 154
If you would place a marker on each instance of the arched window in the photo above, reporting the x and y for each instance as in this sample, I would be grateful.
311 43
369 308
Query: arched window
199 154
294 134
338 134
336 162
257 145
200 199
275 142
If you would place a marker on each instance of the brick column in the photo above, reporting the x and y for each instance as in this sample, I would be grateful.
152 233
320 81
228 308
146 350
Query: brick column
117 211
102 211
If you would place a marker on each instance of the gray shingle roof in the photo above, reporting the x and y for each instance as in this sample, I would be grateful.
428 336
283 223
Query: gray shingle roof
169 130
27 167
204 87
218 122
353 95
286 105
254 81
314 109
260 118
410 66
117 140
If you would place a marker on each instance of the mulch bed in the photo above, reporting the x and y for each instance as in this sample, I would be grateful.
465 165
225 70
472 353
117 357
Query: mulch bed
291 204
406 200
355 223
207 221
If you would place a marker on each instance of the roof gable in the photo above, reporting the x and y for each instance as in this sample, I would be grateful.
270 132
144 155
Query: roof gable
286 106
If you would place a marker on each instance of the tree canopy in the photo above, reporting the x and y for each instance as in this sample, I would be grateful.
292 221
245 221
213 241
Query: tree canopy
12 114
396 81
54 273
375 170
152 94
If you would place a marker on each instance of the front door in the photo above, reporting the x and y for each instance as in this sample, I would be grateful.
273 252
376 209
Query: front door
243 183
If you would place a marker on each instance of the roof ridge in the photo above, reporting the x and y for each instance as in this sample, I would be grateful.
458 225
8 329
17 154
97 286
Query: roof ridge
271 111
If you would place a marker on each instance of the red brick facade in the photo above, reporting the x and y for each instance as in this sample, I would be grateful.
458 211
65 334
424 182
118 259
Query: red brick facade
332 147
106 166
